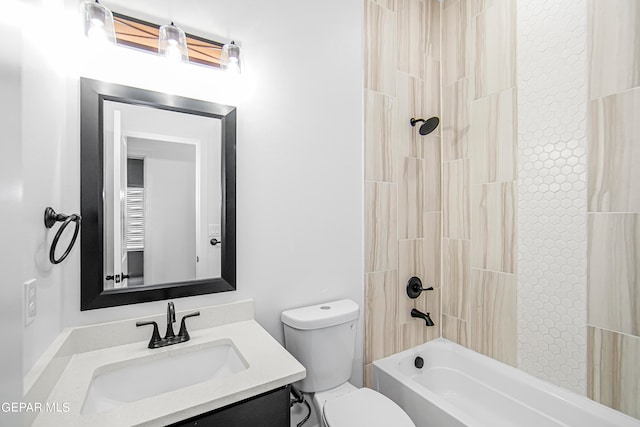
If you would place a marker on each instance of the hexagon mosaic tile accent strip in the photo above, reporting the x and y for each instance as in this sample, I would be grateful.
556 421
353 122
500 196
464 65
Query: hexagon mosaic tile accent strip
552 243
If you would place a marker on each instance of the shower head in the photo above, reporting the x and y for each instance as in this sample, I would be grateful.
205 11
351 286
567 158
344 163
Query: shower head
427 126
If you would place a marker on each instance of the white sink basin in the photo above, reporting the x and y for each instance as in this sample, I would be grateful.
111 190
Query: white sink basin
125 382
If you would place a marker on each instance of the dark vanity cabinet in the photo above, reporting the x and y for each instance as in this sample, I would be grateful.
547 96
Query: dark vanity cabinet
270 409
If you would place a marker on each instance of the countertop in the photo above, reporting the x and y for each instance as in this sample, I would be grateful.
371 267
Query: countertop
269 366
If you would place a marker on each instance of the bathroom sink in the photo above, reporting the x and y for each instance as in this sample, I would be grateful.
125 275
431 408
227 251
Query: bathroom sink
132 380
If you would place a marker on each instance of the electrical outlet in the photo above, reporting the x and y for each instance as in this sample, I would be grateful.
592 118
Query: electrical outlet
30 301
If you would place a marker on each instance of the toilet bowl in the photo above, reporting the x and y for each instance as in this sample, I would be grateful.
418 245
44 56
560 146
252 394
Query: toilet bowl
347 405
322 338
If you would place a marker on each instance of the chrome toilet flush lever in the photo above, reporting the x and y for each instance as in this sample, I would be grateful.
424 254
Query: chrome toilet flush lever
170 337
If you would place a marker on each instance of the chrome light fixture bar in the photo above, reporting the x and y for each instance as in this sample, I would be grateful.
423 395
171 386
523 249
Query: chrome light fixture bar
169 41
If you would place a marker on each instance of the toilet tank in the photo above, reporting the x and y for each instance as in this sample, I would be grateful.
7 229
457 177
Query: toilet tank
322 338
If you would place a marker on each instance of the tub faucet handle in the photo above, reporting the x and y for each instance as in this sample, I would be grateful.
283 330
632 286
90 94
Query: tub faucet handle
183 334
414 287
155 341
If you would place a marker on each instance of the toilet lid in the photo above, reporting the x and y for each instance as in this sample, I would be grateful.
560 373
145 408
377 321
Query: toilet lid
364 407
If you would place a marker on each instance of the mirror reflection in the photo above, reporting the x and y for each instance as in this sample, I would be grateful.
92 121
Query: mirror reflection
162 196
158 185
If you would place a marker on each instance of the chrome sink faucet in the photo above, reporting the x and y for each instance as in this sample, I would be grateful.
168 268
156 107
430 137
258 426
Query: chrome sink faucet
170 337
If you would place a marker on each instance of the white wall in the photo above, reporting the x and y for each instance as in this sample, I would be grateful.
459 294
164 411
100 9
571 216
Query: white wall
299 148
45 144
11 224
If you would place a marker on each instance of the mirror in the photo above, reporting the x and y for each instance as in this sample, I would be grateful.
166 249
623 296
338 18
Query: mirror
157 196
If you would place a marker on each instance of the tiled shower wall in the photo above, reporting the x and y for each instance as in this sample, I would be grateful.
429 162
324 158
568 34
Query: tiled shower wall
518 245
613 331
479 173
402 173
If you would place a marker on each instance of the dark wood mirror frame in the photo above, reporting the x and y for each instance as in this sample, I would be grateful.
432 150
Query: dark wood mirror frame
93 93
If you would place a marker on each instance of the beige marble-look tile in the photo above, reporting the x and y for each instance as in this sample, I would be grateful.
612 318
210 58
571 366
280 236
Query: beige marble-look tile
432 28
432 174
368 375
411 264
456 278
614 152
411 199
494 150
495 48
433 246
410 24
411 334
449 3
613 46
378 137
456 42
431 98
414 330
494 227
454 330
455 124
613 371
408 142
387 4
455 199
381 234
379 52
381 315
421 257
476 7
613 273
493 324
430 303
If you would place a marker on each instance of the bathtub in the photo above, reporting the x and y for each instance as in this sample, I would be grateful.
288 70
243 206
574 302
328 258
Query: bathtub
459 387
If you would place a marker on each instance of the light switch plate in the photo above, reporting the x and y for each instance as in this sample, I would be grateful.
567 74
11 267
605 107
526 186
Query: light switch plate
214 230
30 301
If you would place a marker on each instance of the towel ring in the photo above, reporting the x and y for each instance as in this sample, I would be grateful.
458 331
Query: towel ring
50 218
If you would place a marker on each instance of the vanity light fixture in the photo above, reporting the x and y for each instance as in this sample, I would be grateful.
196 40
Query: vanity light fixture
165 40
98 22
172 43
230 58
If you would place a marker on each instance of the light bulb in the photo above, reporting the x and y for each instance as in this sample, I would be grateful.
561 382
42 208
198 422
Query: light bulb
96 31
233 66
172 43
173 52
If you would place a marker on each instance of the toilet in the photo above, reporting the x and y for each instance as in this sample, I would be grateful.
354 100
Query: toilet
322 338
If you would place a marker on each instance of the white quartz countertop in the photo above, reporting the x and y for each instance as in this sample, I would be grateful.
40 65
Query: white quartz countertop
269 366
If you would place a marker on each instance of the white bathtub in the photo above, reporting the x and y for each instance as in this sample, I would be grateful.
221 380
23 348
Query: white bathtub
459 387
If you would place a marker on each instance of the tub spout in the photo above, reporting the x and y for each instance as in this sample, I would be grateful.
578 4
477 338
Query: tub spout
421 315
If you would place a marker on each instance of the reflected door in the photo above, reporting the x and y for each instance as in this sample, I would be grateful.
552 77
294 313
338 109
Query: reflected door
119 204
